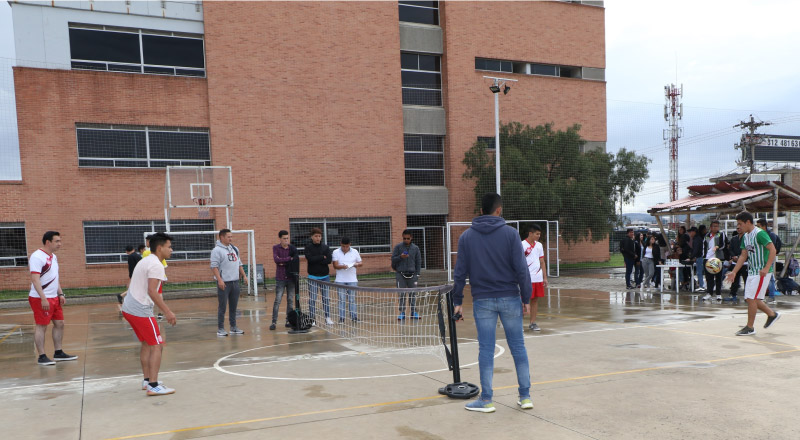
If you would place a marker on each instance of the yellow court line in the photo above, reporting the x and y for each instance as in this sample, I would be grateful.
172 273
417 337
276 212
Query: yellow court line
377 405
10 333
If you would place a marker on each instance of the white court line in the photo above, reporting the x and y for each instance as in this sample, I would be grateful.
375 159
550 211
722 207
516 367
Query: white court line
111 378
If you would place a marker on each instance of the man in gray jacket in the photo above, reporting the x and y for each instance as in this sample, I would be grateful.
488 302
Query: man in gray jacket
227 267
407 262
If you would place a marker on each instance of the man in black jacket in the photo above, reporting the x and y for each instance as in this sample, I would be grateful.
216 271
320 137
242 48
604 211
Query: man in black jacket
697 257
318 256
628 249
407 263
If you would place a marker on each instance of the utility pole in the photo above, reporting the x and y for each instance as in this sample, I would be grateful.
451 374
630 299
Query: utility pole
749 142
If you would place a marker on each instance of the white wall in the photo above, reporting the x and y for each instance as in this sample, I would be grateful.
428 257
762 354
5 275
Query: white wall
41 31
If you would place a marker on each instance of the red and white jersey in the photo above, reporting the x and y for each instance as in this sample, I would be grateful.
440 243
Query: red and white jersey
532 254
46 265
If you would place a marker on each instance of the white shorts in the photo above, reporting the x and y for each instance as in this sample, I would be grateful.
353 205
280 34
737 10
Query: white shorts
756 286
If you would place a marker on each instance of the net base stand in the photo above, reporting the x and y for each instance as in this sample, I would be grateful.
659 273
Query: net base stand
294 332
460 390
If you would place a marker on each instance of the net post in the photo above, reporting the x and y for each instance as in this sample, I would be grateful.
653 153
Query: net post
457 389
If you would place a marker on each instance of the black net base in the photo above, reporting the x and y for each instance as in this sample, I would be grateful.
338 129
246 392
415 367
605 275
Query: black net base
461 390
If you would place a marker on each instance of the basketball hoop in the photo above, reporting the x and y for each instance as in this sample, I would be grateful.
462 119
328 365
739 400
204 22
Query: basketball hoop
202 206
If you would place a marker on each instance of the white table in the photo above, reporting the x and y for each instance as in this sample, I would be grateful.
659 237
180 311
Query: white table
677 267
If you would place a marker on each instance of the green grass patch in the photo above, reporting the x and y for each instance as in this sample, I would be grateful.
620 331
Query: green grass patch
616 260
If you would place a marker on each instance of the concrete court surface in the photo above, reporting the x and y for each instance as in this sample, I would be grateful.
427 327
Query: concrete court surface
607 365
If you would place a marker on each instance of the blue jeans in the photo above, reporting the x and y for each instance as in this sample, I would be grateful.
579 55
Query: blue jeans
629 263
313 287
509 310
771 290
700 270
351 300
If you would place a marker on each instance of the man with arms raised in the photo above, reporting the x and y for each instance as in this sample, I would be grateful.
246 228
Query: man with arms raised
137 309
759 251
491 256
46 298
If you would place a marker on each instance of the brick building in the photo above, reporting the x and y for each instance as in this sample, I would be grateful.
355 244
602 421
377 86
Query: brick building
351 116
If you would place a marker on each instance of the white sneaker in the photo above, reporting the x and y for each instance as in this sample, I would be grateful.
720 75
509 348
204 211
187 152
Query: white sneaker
707 297
719 297
146 385
328 321
159 390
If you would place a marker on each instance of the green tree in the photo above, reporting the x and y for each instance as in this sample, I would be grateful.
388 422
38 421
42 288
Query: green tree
628 176
545 175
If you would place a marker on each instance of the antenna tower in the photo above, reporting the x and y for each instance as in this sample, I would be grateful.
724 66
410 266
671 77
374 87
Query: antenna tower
673 112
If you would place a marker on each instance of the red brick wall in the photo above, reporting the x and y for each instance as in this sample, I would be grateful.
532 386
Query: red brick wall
542 32
56 194
306 107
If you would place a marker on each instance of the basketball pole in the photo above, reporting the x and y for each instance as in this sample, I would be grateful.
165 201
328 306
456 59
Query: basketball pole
457 389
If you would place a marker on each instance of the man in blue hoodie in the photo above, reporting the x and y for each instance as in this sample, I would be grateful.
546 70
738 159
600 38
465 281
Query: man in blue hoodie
490 255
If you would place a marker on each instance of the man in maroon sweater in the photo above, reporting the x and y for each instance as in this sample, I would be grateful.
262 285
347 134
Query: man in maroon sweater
282 253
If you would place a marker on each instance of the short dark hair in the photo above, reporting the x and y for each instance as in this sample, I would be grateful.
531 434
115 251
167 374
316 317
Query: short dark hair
48 236
315 231
345 240
490 202
762 221
158 239
282 232
223 231
715 222
141 248
745 217
534 228
682 227
693 229
629 230
128 248
408 232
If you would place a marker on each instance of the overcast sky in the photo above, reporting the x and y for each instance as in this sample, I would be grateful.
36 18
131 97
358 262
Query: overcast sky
732 57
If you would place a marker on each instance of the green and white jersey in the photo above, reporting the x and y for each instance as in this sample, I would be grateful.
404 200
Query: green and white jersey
755 243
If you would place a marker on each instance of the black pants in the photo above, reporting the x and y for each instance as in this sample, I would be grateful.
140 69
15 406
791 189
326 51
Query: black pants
714 281
735 286
228 296
629 263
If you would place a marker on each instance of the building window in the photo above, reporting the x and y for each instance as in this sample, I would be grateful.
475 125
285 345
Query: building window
369 235
526 68
424 158
493 65
13 245
422 79
136 51
106 240
419 12
490 142
128 146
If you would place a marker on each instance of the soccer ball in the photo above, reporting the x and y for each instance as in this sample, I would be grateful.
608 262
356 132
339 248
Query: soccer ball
713 265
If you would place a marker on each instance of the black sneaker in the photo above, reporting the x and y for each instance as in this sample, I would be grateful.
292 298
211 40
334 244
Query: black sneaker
772 319
160 316
746 331
64 357
287 325
44 360
272 326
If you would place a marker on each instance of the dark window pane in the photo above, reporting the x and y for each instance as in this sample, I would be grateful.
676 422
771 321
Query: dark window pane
164 163
107 239
429 62
424 178
415 3
412 142
12 242
160 70
424 161
124 68
423 80
543 69
95 163
432 143
172 51
111 144
361 233
422 97
104 46
130 163
176 145
506 66
490 142
419 15
187 72
409 61
83 65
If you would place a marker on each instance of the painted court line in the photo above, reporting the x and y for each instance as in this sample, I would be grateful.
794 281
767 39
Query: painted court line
418 399
10 333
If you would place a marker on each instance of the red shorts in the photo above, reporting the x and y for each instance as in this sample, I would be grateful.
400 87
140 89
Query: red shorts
146 329
538 290
40 316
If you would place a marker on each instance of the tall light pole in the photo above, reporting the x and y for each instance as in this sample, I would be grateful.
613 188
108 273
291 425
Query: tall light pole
498 84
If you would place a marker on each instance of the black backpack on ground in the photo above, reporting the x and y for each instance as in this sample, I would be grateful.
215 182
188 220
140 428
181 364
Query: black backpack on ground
305 320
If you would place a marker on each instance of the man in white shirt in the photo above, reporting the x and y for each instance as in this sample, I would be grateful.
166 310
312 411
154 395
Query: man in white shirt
144 292
46 298
534 256
345 261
